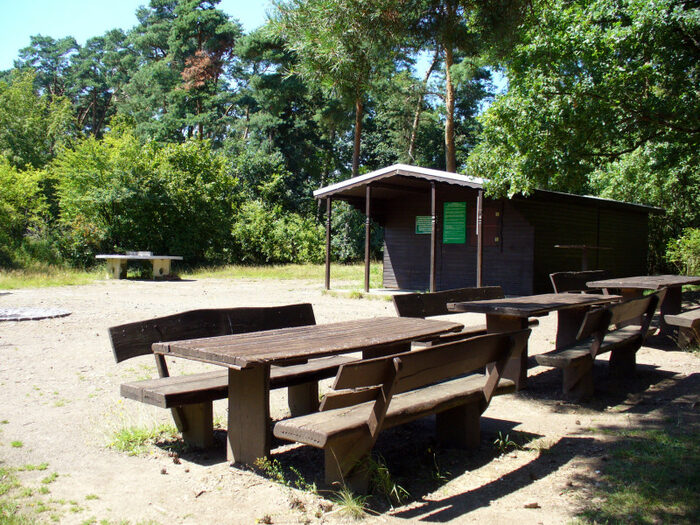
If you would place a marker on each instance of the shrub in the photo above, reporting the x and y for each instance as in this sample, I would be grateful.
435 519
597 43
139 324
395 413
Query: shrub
684 252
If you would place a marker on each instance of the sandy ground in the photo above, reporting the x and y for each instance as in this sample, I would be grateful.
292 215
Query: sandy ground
60 399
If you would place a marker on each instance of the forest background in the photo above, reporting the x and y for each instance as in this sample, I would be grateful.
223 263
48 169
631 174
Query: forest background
184 135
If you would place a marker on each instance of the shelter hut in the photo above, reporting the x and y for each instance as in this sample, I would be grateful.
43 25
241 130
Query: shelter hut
441 232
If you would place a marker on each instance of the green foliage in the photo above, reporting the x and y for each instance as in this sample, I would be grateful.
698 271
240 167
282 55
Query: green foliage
263 234
136 440
348 238
684 252
117 195
31 126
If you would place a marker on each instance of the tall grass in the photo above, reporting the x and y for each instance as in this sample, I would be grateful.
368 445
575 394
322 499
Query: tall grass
342 275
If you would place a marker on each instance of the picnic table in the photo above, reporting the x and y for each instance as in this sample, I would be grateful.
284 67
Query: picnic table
116 264
632 287
509 314
248 357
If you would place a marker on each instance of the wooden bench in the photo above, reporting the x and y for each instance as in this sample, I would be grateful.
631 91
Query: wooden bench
575 281
371 395
688 324
190 396
116 264
430 304
603 330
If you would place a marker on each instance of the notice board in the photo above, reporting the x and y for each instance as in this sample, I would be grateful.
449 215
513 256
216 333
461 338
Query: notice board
454 223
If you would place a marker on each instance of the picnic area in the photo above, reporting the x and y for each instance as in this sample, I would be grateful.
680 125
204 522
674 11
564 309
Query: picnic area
540 458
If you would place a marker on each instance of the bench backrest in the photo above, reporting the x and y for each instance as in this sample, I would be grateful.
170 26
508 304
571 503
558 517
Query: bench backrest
575 281
435 303
135 339
377 379
598 321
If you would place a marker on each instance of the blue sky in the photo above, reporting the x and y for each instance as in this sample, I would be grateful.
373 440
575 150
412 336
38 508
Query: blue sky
84 19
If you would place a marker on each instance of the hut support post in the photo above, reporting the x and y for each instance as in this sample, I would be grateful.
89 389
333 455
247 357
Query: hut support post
433 237
368 231
479 237
328 243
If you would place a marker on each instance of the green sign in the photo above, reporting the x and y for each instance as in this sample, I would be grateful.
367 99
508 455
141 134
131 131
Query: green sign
424 224
454 223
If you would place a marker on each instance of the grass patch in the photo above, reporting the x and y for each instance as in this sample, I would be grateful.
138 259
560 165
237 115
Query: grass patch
283 272
650 477
20 504
137 440
47 276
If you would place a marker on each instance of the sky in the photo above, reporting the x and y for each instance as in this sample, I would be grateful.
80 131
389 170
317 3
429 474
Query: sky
84 19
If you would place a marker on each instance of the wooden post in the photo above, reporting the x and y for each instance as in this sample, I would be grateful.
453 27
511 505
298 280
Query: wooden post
368 231
328 243
433 237
479 237
248 414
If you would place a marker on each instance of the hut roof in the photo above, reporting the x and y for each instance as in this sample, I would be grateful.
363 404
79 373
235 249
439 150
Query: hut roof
399 178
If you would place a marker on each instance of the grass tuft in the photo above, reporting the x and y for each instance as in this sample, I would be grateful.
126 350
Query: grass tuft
136 440
651 477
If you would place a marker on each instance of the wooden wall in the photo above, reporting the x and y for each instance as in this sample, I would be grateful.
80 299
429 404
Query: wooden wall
507 262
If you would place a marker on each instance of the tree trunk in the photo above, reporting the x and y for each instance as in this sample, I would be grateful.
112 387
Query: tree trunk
358 137
419 108
450 153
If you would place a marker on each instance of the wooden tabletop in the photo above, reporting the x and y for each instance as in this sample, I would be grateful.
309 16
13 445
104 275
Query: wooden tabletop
532 305
646 282
289 344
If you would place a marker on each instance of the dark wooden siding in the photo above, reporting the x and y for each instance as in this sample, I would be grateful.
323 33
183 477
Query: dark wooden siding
407 254
562 223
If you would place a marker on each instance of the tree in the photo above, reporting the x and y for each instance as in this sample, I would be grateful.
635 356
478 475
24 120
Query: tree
51 59
462 32
343 45
603 99
31 125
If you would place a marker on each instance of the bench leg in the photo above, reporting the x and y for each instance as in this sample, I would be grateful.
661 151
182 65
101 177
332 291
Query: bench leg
248 434
196 423
623 363
459 427
161 268
303 399
346 465
578 380
116 268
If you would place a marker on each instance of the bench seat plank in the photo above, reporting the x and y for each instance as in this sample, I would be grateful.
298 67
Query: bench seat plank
628 335
316 429
684 319
168 392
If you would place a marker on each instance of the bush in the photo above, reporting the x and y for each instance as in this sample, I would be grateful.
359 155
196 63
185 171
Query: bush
684 252
22 209
265 235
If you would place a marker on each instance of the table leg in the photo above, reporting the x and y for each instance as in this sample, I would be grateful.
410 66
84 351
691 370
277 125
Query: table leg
161 267
516 368
568 323
116 268
671 305
248 436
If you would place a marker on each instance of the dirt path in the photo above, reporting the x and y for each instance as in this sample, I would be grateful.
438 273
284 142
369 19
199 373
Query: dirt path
61 406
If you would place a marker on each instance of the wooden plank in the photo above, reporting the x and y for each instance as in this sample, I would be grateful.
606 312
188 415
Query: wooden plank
575 281
430 365
282 345
685 319
646 282
532 305
135 339
316 429
431 304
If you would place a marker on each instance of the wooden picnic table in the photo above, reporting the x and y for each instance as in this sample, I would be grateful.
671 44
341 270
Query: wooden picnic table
509 314
632 287
249 356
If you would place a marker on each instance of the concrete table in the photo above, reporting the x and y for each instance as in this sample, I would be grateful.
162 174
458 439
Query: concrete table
116 264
